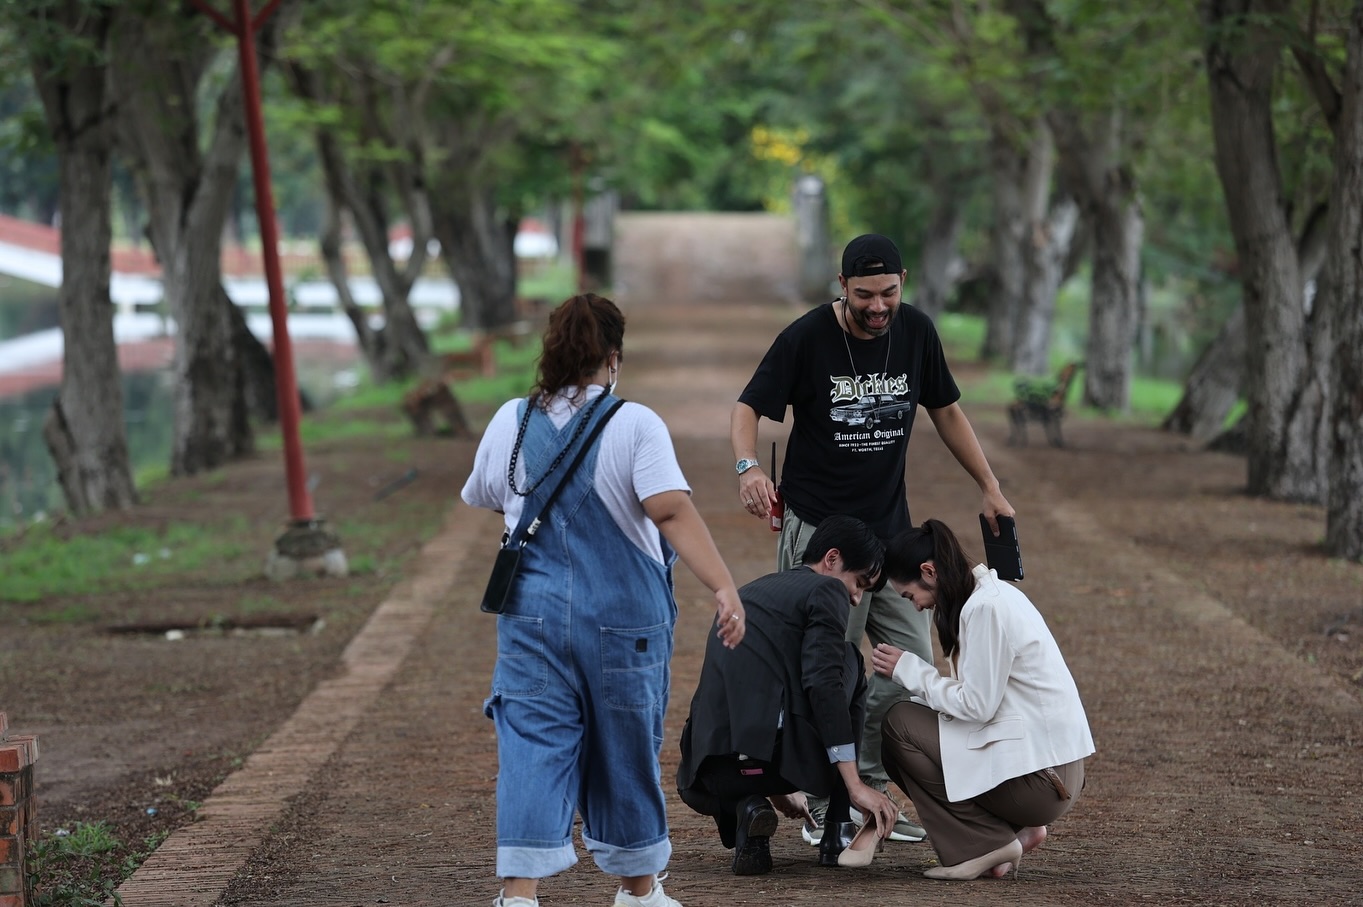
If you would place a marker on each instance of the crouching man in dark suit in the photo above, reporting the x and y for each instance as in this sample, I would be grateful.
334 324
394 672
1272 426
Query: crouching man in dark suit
783 712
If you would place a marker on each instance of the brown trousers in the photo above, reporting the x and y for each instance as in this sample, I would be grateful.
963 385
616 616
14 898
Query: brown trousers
912 752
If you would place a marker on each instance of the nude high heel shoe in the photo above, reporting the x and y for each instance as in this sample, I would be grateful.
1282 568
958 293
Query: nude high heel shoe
836 837
973 869
864 845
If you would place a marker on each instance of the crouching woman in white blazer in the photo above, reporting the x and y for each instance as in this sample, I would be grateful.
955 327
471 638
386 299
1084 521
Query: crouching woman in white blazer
993 752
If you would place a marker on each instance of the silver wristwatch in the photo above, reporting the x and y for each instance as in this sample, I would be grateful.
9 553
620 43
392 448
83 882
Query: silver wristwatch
744 465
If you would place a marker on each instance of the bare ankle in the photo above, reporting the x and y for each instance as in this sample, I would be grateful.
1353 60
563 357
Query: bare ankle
1032 837
639 886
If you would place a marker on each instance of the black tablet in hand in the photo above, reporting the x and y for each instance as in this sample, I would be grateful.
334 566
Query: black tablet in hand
1002 552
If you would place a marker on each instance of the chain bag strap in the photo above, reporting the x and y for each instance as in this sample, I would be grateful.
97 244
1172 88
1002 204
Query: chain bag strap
508 560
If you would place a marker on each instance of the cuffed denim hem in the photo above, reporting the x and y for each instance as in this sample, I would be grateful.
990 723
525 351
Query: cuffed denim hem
534 862
632 861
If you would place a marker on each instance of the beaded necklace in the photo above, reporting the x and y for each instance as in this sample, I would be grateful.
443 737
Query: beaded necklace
520 437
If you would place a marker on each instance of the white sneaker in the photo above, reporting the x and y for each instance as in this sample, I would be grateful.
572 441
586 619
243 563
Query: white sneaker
655 898
813 834
903 830
504 901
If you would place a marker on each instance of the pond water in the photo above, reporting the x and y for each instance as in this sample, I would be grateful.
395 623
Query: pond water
25 307
28 477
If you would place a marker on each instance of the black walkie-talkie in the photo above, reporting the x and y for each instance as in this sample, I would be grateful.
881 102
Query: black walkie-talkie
1002 552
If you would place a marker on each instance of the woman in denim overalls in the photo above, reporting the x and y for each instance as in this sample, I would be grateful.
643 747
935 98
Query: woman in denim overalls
583 646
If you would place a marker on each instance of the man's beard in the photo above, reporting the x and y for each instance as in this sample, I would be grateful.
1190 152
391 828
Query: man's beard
861 320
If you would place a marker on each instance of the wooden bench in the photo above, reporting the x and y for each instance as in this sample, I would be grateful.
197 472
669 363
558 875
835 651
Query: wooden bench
1041 400
477 360
480 358
533 308
517 333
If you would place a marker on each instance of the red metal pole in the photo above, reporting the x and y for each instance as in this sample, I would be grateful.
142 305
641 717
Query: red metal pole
286 385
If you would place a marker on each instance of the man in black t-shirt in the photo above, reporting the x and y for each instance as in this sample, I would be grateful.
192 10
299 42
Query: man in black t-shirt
854 373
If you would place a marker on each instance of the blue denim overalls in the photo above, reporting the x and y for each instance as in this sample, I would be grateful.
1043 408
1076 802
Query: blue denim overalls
581 683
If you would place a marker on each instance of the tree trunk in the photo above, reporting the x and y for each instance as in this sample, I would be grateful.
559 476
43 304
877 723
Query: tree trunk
939 264
370 340
1344 285
159 61
404 340
400 348
84 430
1285 400
1115 301
1091 150
477 243
1008 166
1217 379
1092 171
1046 254
1049 230
257 365
211 424
1214 383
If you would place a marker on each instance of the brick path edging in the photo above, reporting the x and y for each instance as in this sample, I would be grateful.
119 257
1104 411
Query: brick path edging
196 864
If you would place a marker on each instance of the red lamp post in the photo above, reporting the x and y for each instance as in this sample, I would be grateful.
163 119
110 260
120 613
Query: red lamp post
244 28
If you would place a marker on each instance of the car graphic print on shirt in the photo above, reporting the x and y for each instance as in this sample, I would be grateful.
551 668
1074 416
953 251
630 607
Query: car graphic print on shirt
870 410
865 401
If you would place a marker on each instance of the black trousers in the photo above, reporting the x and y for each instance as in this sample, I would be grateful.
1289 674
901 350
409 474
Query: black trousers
722 782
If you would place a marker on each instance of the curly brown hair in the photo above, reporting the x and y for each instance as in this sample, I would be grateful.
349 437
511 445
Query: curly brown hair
583 331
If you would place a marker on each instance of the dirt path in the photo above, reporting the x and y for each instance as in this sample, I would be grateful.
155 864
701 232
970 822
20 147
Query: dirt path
1202 629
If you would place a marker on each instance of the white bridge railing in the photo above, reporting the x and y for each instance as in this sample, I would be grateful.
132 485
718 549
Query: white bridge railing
133 292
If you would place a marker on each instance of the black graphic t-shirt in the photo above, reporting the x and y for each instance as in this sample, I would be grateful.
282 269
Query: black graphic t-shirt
854 405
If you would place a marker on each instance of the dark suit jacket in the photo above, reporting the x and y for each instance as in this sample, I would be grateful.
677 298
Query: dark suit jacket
793 661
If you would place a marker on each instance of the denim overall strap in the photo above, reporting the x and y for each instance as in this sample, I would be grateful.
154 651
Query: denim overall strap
581 684
600 415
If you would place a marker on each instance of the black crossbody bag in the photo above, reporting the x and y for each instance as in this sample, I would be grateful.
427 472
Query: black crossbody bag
508 560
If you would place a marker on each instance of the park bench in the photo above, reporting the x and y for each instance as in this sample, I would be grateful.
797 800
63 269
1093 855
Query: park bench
479 359
1041 400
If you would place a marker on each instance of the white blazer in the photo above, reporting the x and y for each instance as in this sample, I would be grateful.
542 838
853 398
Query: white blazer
1010 706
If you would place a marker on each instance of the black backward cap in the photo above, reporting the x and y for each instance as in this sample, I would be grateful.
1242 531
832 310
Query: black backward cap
870 254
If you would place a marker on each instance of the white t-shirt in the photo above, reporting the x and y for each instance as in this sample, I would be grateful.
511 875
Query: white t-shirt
634 461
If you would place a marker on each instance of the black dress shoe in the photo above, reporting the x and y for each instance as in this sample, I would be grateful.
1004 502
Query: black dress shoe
756 824
836 837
